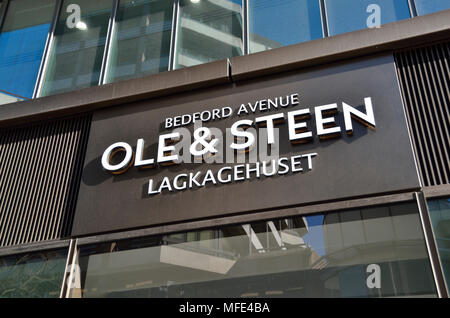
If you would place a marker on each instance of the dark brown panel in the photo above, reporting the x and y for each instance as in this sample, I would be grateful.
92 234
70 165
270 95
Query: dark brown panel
369 162
424 75
40 168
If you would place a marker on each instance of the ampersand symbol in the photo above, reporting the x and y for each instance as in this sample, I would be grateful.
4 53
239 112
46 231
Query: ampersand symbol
201 134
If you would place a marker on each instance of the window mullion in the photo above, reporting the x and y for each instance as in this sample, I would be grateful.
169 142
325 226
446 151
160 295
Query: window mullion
412 8
245 27
3 12
69 268
323 15
47 48
173 35
109 38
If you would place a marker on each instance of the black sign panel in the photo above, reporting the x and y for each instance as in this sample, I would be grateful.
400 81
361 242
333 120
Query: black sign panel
367 162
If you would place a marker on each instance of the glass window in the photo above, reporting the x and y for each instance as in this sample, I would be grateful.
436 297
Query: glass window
22 42
440 219
276 23
208 30
32 275
141 42
350 15
76 55
370 252
430 6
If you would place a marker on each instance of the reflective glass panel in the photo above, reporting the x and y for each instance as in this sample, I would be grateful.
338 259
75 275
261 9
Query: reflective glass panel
350 15
276 23
76 55
370 252
208 30
32 275
430 6
440 219
22 42
141 42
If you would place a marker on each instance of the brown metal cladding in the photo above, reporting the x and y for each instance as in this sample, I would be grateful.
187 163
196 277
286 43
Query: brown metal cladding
40 170
424 75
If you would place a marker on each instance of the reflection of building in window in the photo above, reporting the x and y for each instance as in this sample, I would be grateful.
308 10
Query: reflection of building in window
182 261
322 255
389 236
6 97
22 40
276 23
207 31
76 55
32 275
141 39
259 43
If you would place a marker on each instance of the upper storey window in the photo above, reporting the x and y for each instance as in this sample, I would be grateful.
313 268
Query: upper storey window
276 23
75 58
208 30
22 42
141 39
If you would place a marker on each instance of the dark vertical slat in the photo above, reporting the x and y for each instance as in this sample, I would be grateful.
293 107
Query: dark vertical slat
440 98
66 156
53 193
425 131
35 161
49 185
445 51
425 107
413 120
441 71
4 166
40 171
22 195
405 90
75 178
39 200
10 190
40 176
75 137
436 116
424 76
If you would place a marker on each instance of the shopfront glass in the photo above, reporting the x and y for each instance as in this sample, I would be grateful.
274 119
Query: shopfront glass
351 15
208 30
369 252
440 219
141 39
22 42
276 23
37 274
76 55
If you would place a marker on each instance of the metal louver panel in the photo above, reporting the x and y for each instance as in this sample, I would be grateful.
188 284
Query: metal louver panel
424 75
40 171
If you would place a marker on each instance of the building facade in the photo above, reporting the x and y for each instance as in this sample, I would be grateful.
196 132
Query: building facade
224 148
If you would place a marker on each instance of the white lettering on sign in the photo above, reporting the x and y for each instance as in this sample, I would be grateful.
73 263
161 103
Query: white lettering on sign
235 173
204 116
